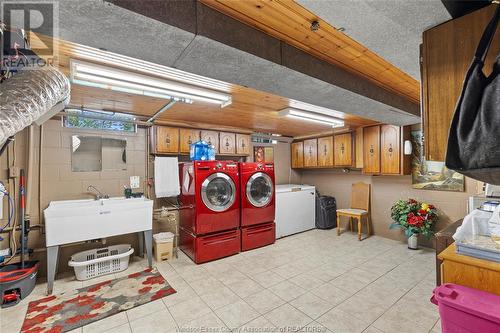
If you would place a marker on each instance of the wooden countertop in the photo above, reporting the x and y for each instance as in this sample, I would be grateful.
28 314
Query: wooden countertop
450 254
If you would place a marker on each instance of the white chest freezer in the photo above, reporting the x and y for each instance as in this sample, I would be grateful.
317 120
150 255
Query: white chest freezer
295 209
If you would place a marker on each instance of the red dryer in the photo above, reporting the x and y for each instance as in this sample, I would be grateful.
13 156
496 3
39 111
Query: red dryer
210 216
257 205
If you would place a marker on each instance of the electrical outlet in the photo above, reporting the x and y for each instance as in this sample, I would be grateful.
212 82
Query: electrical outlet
14 172
135 182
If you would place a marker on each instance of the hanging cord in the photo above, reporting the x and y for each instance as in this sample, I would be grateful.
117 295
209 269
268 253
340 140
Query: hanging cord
6 144
11 208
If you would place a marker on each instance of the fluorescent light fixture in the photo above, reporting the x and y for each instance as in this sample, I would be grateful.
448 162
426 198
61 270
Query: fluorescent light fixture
315 109
93 75
310 116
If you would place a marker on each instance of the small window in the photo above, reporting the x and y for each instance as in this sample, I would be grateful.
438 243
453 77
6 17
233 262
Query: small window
99 120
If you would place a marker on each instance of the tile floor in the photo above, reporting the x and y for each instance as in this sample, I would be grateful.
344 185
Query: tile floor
310 282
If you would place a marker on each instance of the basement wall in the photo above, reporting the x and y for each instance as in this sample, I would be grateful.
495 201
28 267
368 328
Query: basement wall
58 182
385 190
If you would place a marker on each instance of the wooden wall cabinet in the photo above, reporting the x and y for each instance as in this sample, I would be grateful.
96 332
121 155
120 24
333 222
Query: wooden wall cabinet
242 144
371 149
343 150
325 151
212 138
297 152
167 140
358 148
187 137
227 144
447 52
310 153
390 149
174 140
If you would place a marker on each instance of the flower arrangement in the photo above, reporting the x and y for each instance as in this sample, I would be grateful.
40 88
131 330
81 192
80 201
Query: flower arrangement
414 217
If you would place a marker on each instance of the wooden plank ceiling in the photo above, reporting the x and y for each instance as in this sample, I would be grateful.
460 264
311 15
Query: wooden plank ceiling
291 23
251 110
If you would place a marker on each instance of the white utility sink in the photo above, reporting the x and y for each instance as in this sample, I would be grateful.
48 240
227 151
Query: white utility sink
72 221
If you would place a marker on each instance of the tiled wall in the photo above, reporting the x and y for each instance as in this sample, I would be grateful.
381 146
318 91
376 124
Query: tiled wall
60 183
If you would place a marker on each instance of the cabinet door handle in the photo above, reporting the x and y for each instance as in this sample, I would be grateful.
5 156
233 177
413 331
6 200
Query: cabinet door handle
167 139
324 150
342 148
371 149
390 148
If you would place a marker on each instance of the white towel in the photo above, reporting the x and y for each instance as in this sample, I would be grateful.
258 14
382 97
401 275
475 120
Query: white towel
166 177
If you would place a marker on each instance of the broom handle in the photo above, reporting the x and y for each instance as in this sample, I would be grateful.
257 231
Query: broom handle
22 208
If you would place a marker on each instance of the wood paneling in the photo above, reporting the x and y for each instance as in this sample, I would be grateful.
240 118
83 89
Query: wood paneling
291 23
447 53
187 137
310 153
325 151
297 152
243 144
343 150
167 140
390 149
211 137
227 143
371 149
251 109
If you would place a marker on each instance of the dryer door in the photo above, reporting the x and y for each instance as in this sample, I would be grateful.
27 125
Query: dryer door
259 189
218 192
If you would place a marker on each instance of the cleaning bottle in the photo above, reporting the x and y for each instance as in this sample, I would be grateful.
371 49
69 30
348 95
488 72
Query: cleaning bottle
198 151
211 153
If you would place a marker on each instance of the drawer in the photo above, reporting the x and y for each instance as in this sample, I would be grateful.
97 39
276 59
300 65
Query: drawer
258 236
217 246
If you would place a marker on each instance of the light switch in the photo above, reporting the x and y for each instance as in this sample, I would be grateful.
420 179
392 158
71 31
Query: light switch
135 182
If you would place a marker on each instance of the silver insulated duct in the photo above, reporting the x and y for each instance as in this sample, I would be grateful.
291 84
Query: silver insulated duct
32 95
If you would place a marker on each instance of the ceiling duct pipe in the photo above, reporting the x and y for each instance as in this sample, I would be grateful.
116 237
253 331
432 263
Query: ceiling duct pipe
32 95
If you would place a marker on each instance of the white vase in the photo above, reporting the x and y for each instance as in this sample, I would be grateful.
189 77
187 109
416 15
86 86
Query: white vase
413 242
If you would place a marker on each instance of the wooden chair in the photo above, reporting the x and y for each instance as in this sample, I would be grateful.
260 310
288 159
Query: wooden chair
360 208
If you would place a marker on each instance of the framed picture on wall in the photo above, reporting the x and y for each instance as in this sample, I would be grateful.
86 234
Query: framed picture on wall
263 154
428 175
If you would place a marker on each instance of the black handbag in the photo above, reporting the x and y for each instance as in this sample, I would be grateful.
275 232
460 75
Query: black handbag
474 137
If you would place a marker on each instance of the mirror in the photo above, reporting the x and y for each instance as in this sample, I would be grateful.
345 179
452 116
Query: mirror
93 153
114 154
86 153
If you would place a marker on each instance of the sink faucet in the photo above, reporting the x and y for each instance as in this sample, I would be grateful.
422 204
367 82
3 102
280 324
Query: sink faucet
98 194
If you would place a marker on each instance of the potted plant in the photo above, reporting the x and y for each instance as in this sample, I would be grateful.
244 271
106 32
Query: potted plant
414 218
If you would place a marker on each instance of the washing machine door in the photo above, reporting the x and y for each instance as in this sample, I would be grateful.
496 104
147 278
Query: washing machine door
218 192
259 189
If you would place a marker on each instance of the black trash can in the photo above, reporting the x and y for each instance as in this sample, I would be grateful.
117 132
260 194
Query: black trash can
326 212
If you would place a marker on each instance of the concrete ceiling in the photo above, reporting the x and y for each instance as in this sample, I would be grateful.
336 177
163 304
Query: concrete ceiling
99 24
391 28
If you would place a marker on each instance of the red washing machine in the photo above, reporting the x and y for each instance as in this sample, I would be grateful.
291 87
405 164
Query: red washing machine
257 205
210 217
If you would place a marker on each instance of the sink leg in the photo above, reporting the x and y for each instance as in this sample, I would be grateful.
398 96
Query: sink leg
52 254
148 239
140 236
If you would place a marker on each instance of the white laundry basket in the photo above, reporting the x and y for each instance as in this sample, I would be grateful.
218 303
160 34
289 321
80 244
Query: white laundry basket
97 262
